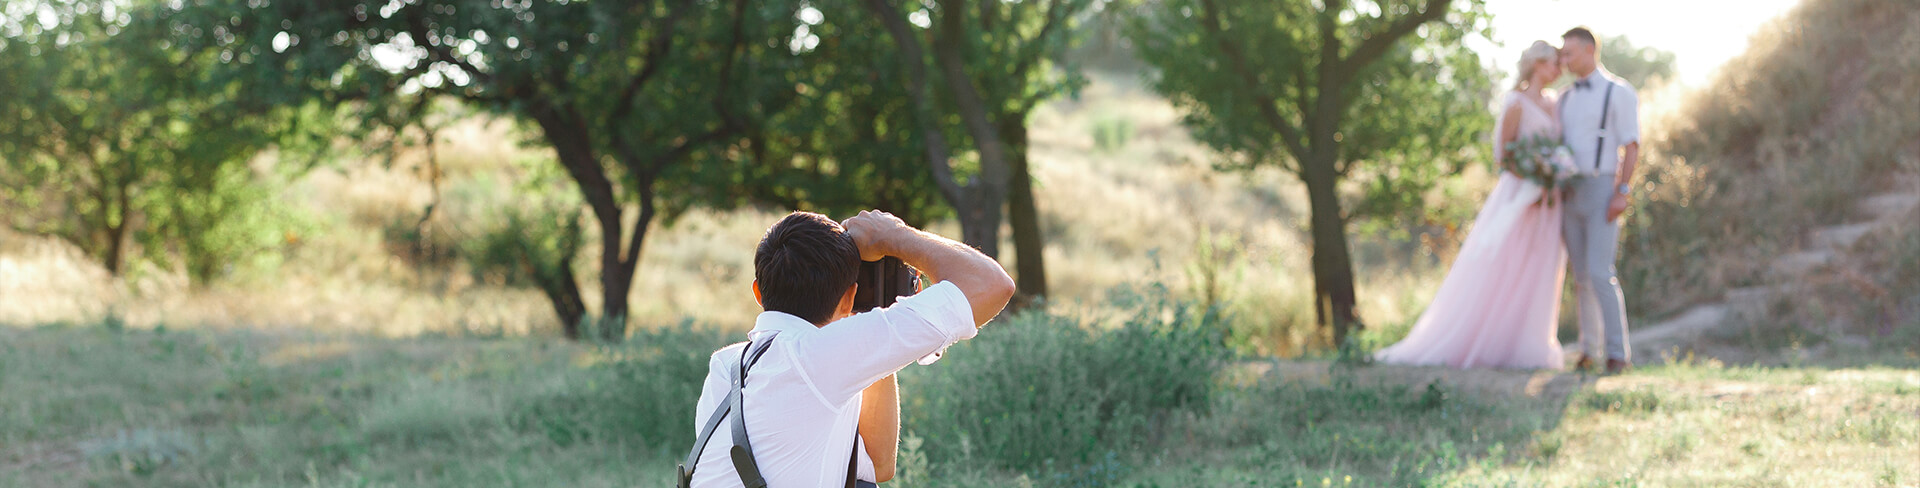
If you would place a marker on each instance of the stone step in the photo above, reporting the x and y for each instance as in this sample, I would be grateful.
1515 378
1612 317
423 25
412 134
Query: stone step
1842 237
1889 206
1676 330
1800 263
1750 303
1687 325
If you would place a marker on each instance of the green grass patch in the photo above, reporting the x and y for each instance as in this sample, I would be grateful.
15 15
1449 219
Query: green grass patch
1133 402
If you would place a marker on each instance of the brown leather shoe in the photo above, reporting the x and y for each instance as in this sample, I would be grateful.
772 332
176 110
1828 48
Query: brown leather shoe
1583 364
1615 366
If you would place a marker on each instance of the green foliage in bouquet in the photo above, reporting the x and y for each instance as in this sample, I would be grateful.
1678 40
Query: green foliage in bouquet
1539 159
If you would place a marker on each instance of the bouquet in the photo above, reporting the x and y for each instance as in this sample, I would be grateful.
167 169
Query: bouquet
1542 160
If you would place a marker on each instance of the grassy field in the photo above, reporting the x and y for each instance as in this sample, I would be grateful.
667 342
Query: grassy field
93 406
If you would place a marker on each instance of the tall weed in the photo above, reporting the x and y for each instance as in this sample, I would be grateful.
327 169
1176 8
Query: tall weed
1056 393
639 393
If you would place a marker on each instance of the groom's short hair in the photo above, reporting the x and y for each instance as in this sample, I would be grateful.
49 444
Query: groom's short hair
804 264
1584 34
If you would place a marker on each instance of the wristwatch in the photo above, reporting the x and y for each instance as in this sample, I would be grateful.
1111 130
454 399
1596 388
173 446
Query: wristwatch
1624 189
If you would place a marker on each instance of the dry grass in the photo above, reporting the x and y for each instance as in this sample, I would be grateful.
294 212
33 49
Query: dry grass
1146 207
1703 425
1817 114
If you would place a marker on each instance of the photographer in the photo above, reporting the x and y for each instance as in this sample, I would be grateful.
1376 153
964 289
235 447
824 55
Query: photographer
800 377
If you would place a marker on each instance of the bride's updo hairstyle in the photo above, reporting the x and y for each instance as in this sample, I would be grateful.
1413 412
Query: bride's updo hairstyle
1530 59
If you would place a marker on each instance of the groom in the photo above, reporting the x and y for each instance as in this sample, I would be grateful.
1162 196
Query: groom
1599 116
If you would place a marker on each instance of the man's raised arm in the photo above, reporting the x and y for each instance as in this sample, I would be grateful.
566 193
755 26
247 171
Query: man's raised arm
986 285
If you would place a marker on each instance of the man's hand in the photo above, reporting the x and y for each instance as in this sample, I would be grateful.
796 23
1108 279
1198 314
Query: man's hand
1616 207
874 232
987 286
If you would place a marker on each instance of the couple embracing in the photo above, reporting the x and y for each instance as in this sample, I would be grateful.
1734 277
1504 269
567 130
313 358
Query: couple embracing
1567 162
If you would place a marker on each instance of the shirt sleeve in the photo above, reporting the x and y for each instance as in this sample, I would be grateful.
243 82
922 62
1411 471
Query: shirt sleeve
864 471
715 388
850 354
1626 117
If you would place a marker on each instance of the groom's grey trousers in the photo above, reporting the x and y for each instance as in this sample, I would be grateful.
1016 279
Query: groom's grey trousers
1591 245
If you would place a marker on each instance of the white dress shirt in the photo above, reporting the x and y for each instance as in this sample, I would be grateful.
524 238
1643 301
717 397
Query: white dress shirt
802 399
1580 121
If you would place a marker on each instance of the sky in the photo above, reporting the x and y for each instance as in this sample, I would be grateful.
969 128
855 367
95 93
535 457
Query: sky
1702 34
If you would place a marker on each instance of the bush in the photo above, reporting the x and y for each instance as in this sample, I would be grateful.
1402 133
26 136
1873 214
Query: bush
1037 392
641 394
1111 134
1048 392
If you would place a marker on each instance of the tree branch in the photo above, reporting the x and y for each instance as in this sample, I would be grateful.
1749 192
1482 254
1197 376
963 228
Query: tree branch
1329 81
913 59
1377 44
1031 48
1289 134
658 49
417 27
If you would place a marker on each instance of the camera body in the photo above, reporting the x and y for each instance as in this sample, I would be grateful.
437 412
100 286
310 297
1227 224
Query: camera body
883 282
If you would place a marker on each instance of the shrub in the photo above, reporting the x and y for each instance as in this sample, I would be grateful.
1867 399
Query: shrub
642 393
423 414
1052 392
1111 134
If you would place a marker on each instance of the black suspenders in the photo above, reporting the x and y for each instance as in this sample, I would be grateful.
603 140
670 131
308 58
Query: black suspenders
1600 142
742 451
748 470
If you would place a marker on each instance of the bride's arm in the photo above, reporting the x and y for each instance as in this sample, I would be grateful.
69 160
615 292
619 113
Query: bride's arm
1509 132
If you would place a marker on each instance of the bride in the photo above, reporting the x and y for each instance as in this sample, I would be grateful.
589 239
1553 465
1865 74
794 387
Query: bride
1499 303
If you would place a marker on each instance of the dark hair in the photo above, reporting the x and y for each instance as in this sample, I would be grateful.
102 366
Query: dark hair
1582 33
804 265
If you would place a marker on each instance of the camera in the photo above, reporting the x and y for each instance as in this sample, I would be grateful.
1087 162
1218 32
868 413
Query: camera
883 282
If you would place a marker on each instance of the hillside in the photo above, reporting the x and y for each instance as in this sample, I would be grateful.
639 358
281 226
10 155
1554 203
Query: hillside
1783 196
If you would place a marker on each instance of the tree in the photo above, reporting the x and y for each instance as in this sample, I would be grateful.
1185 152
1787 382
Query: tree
633 97
843 137
995 66
1638 65
1381 95
114 139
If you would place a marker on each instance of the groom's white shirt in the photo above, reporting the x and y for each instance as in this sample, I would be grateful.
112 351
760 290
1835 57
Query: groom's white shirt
803 397
1580 121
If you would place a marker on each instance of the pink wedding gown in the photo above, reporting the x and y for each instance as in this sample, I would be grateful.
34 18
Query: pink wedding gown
1500 302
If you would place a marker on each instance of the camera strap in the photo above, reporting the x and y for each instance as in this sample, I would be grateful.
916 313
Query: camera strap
750 472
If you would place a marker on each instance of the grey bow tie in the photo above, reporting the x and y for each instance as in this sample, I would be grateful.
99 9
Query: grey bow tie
1582 85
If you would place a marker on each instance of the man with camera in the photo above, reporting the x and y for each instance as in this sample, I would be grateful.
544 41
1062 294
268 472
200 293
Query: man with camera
796 405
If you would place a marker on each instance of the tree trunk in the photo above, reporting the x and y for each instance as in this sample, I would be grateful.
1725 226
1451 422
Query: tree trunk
116 257
617 280
561 288
1334 298
1029 246
980 214
557 280
568 135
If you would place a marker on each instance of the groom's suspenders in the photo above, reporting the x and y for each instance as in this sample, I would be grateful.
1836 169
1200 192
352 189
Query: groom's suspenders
1600 142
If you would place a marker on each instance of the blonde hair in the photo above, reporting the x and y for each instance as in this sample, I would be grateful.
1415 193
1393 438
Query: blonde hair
1530 58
